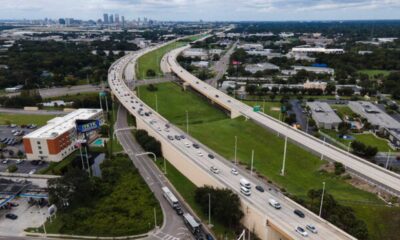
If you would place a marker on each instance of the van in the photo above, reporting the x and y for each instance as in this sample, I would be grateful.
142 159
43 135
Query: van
245 183
245 191
274 203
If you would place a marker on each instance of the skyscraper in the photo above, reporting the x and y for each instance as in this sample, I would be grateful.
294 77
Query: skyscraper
117 18
123 21
105 18
111 19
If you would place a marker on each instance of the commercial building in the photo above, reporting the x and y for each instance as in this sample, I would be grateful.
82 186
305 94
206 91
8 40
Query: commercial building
196 52
317 70
251 46
105 18
317 50
200 64
374 115
56 140
253 68
323 115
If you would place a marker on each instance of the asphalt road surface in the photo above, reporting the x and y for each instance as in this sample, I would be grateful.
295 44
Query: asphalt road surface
221 66
61 91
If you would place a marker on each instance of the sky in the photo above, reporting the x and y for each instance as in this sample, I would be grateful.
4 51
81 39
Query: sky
207 10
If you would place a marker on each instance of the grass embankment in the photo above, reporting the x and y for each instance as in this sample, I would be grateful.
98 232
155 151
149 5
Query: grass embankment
217 131
152 60
24 119
270 108
124 207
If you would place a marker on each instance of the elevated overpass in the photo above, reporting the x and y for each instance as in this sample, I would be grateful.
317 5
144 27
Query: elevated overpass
194 163
374 174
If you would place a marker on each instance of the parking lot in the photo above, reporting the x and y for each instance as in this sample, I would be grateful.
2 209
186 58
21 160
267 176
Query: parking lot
11 138
23 166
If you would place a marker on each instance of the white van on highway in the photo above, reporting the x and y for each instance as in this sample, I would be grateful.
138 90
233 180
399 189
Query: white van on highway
245 183
245 191
274 203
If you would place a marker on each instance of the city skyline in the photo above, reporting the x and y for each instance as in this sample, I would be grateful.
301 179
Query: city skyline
252 10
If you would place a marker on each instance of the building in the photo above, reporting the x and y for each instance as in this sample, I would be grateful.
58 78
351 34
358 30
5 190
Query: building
251 46
263 52
374 115
56 140
196 52
105 18
200 64
111 19
14 89
317 50
253 68
117 18
323 115
317 70
315 85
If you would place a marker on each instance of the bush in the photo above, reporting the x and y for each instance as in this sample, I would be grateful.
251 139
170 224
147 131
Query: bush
150 73
12 168
339 168
148 143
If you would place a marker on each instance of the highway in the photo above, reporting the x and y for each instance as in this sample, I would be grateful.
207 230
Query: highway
385 179
199 155
61 91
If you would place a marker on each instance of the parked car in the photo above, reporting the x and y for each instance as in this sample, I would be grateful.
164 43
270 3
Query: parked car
299 213
11 216
301 231
178 211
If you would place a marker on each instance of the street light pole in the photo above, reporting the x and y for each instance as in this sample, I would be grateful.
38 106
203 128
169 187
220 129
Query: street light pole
187 122
235 150
387 160
252 160
284 158
322 198
209 209
156 103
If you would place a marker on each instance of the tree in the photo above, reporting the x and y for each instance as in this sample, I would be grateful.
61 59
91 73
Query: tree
272 97
225 207
339 168
330 88
251 89
150 73
152 88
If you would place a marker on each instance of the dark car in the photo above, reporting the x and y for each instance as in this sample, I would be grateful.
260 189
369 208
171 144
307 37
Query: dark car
177 137
299 213
211 156
170 137
209 237
11 216
183 137
195 145
178 211
259 188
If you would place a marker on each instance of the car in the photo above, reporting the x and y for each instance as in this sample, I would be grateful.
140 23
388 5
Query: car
11 216
299 213
217 96
259 188
5 161
167 130
195 145
183 137
214 170
234 171
200 153
275 204
211 156
19 161
178 211
301 231
177 137
170 137
146 114
187 144
32 171
159 129
311 228
167 125
229 100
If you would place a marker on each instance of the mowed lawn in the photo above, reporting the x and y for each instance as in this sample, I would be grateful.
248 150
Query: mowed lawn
373 72
24 119
217 131
152 60
270 108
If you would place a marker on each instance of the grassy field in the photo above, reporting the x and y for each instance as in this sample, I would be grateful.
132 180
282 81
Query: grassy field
152 60
21 119
343 110
217 131
372 72
269 107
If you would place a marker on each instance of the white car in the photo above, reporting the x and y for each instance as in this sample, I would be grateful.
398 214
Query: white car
234 171
214 170
311 228
167 130
159 129
200 153
187 144
301 231
32 171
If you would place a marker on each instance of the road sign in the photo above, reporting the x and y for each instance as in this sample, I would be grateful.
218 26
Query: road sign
256 108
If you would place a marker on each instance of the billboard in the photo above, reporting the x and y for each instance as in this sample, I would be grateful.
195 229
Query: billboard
84 126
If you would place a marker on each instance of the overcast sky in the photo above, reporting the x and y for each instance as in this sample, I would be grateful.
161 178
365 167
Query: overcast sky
228 10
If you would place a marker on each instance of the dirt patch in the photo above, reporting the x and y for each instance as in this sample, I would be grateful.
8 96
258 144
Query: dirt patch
328 167
361 184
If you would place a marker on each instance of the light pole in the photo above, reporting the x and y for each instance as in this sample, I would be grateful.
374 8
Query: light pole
322 198
235 150
307 125
348 147
284 158
252 160
387 160
156 103
155 218
209 209
187 122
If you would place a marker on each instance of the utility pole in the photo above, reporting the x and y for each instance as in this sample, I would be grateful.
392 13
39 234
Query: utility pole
235 150
284 158
252 160
322 198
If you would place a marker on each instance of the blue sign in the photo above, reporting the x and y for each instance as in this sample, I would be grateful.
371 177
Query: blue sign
320 65
84 126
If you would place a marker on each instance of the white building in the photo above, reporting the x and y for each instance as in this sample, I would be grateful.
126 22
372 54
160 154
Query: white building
251 46
317 70
196 52
56 140
200 64
253 68
323 115
317 50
